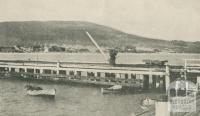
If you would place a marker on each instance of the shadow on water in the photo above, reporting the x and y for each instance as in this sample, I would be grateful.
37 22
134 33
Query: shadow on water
49 99
70 100
124 91
121 93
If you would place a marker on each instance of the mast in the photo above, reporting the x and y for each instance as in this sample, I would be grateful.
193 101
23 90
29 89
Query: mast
97 46
185 70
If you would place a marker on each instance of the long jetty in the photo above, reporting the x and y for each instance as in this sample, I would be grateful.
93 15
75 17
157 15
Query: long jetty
138 75
141 76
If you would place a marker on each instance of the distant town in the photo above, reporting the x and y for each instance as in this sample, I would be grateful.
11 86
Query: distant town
76 49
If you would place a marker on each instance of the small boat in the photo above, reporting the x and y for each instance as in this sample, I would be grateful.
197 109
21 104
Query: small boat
38 91
148 102
113 89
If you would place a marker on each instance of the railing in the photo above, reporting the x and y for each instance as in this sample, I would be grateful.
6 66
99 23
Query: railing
192 65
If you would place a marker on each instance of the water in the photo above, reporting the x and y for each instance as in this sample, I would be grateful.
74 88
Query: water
125 58
74 100
69 101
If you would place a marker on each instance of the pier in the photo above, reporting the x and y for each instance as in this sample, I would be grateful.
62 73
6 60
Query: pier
89 73
138 76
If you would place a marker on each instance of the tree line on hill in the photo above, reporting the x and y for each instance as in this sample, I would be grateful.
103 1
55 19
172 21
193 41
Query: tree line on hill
57 48
179 47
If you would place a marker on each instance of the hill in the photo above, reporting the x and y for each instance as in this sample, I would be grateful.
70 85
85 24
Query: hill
29 33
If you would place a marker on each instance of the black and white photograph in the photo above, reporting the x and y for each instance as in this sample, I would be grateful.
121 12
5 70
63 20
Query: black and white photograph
99 57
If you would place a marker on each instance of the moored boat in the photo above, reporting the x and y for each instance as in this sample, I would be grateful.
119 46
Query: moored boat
38 91
148 102
113 89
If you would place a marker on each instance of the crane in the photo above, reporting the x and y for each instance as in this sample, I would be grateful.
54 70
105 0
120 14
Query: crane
95 43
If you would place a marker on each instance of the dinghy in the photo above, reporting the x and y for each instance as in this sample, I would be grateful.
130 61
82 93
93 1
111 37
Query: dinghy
148 102
113 89
38 91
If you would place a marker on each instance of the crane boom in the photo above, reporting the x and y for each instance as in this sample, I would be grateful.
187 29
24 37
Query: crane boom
94 42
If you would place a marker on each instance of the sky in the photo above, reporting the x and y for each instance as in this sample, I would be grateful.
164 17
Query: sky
160 19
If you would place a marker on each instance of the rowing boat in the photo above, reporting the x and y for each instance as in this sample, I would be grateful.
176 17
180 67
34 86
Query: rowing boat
38 91
113 89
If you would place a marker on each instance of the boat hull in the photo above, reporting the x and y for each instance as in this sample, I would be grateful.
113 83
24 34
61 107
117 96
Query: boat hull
113 89
107 91
45 92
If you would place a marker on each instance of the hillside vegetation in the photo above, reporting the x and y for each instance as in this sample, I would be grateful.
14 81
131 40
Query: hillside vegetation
30 33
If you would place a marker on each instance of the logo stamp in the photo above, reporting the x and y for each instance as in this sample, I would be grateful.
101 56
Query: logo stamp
182 96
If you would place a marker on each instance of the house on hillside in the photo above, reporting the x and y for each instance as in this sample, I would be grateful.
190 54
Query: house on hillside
130 49
46 49
83 50
56 49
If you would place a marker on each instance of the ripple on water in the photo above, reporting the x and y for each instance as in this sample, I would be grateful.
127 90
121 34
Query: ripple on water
69 101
